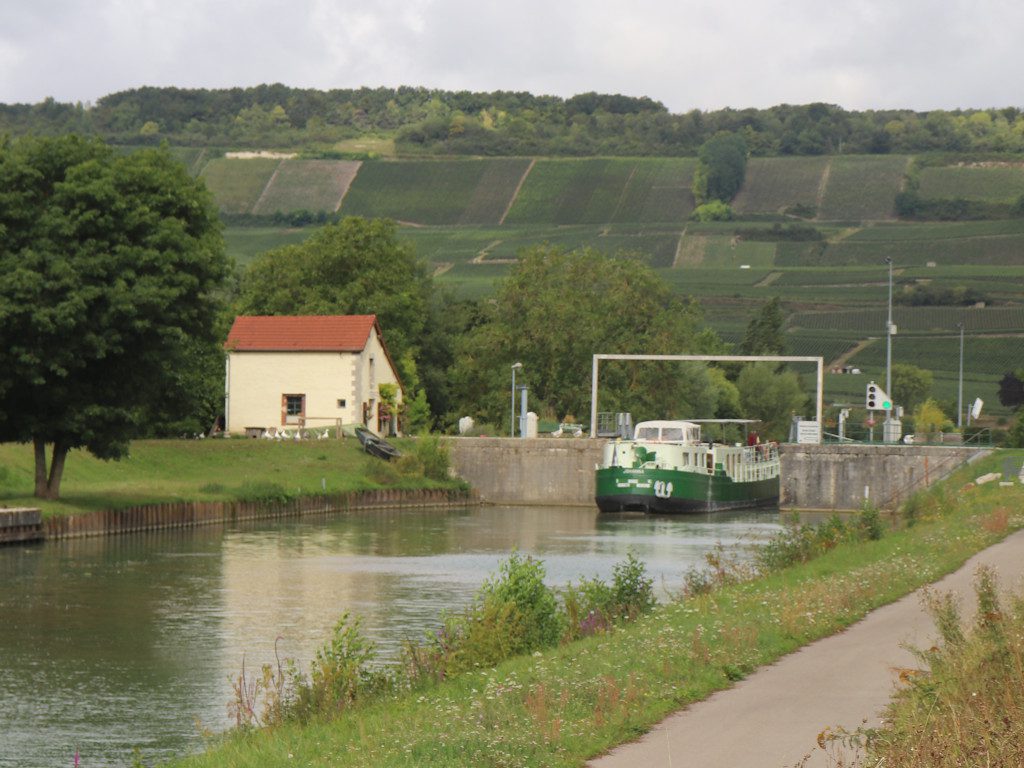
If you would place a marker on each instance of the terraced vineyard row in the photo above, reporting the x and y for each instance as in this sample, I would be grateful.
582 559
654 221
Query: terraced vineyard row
921 320
310 185
862 188
998 182
982 354
938 230
432 191
774 184
818 346
556 191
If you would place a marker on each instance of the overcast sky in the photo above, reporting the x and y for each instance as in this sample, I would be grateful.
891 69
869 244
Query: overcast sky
704 54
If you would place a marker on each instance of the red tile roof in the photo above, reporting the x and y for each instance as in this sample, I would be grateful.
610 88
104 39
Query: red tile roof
308 333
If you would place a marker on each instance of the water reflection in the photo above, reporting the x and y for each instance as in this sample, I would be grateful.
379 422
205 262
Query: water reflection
124 642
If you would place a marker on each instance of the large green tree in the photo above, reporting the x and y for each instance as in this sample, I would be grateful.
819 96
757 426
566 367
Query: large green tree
721 168
771 396
764 331
1011 389
358 266
556 310
911 385
110 264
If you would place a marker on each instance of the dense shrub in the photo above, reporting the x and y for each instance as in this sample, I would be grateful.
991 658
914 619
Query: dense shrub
593 605
514 613
342 672
429 457
798 543
715 210
632 590
520 584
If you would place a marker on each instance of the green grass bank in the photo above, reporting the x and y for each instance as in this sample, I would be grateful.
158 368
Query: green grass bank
563 706
161 471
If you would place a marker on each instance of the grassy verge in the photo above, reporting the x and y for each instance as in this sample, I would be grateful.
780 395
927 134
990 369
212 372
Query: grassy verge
203 470
967 708
563 706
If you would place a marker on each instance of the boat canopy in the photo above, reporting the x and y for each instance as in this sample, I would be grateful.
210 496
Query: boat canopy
667 431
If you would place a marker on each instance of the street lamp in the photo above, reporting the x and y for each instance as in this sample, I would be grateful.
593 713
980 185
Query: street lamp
960 388
512 423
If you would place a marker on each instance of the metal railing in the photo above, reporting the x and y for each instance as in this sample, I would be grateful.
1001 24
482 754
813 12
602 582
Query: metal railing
943 468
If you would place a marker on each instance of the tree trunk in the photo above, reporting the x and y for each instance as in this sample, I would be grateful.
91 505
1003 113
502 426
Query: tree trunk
40 449
60 453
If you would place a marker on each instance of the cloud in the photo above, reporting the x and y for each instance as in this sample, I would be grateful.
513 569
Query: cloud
690 54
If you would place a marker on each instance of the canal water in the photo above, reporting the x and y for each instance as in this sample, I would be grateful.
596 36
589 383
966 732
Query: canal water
125 646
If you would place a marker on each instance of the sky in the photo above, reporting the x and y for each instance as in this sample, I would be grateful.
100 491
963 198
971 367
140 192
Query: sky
687 54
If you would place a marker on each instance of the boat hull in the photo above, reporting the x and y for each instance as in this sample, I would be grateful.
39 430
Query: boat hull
375 446
672 491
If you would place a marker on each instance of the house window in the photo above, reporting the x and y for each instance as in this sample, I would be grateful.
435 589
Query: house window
293 409
341 403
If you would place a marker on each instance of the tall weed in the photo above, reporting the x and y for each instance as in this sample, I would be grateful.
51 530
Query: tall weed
720 569
342 673
967 707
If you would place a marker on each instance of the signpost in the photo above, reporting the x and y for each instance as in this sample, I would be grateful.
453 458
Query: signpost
808 432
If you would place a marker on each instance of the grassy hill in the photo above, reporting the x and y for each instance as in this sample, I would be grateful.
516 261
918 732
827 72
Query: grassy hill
469 219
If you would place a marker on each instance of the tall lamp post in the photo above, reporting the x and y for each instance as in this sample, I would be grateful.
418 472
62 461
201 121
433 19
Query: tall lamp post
960 388
888 337
892 428
512 422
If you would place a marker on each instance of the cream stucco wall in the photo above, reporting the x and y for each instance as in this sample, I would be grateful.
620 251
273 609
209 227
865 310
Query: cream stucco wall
256 382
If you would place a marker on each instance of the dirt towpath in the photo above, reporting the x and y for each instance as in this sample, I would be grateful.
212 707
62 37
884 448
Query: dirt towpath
772 718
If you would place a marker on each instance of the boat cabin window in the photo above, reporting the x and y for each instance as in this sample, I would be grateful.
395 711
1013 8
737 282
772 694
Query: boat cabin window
689 434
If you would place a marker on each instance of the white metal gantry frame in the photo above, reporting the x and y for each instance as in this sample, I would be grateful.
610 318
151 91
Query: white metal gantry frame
819 361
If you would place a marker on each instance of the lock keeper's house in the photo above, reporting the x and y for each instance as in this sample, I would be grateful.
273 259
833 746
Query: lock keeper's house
309 372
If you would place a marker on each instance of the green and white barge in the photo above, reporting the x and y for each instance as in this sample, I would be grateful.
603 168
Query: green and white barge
668 468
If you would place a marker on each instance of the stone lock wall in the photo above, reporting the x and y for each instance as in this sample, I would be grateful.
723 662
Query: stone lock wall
549 471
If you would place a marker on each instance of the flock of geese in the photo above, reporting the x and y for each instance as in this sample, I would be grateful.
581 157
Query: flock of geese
282 434
298 434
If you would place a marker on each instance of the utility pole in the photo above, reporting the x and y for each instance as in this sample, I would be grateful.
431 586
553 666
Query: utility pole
888 335
960 388
892 428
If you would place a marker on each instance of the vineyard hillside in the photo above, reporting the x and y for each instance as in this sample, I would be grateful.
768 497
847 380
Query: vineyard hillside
306 185
547 191
814 232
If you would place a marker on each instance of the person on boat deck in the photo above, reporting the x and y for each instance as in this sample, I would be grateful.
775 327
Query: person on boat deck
753 439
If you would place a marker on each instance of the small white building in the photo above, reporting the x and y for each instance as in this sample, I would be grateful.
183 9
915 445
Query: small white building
308 372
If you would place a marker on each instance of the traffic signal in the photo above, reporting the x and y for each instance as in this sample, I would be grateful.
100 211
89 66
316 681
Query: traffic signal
877 400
